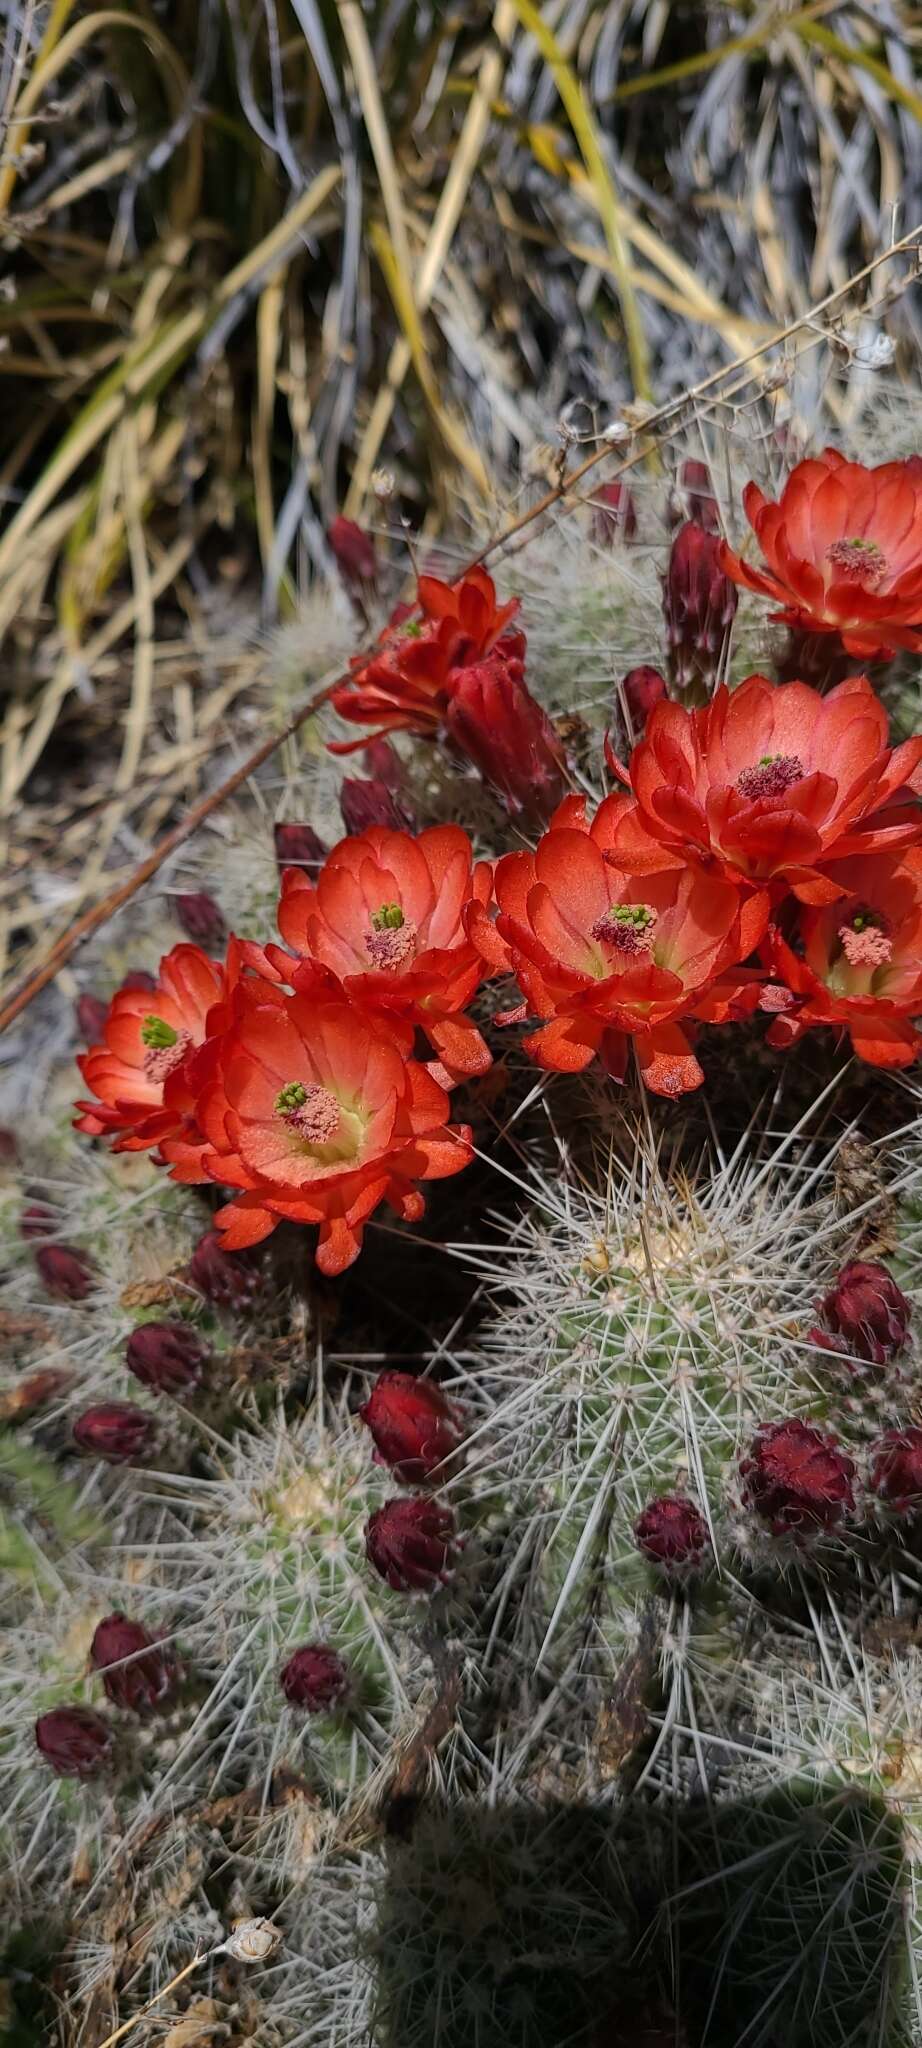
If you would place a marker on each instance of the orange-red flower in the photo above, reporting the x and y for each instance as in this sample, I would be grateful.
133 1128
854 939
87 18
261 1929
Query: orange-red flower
843 547
856 964
769 781
603 955
386 918
138 1071
313 1112
407 686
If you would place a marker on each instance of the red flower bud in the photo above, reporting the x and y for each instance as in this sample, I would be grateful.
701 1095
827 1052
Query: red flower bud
699 604
896 1469
76 1742
139 978
493 718
642 687
37 1221
414 1426
866 1313
91 1013
364 802
223 1277
65 1272
797 1478
354 550
693 497
138 1674
410 1542
672 1531
297 846
166 1356
383 761
200 917
614 515
115 1431
315 1678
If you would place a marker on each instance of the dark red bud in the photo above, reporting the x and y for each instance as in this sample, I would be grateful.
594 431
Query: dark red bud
797 1478
138 1674
91 1013
866 1314
494 719
9 1150
201 918
699 605
66 1273
354 550
364 802
37 1221
139 978
415 1428
223 1277
896 1470
383 762
410 1542
76 1742
671 1531
642 687
298 846
614 515
115 1431
693 497
315 1678
166 1356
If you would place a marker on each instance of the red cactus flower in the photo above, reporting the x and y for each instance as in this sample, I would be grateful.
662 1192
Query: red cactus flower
166 1356
315 1678
767 782
614 514
387 918
414 1426
692 497
671 1531
76 1742
91 1013
66 1273
314 1112
699 607
201 917
843 548
603 955
866 1314
138 1673
137 1071
408 684
856 964
115 1431
297 846
797 1478
495 721
642 689
410 1542
354 550
230 1282
896 1470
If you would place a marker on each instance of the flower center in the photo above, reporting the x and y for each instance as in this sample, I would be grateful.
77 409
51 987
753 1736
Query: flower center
771 776
864 940
858 561
392 939
309 1110
628 927
166 1048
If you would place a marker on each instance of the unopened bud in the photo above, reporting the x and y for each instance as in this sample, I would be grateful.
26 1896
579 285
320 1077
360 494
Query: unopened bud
66 1273
797 1478
76 1742
672 1532
91 1013
298 846
138 1674
315 1678
410 1542
115 1431
354 551
201 918
166 1356
414 1426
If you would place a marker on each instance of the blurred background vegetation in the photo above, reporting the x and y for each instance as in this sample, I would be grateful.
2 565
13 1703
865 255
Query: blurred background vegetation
256 251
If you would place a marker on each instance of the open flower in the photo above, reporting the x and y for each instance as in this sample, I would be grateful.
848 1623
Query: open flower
386 917
148 1037
856 964
769 781
603 955
313 1112
843 548
408 684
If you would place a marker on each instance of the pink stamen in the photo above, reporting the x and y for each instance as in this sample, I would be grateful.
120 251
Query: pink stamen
390 947
869 947
770 777
162 1060
774 998
858 561
316 1119
627 927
